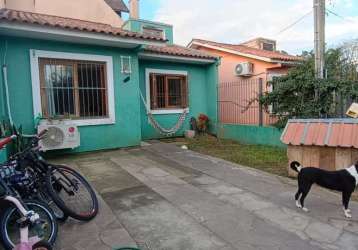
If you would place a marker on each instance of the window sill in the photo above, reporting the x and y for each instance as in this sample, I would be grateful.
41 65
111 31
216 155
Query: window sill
85 122
168 111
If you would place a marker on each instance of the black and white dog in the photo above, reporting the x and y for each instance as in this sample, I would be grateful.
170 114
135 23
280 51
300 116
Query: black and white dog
345 181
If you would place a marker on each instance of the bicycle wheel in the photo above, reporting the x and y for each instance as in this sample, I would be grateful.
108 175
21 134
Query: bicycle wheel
10 230
42 245
60 215
72 193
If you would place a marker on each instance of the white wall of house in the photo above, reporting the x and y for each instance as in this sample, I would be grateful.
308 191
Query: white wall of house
88 10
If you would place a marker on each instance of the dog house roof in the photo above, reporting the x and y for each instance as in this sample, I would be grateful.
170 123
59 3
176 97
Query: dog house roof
321 132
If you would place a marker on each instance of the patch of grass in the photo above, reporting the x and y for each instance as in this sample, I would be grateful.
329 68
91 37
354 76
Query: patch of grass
270 159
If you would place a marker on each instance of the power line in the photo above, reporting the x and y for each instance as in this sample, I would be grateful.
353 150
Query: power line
295 22
338 15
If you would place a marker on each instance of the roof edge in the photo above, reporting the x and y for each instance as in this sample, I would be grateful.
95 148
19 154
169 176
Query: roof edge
328 120
147 21
181 58
23 18
201 42
45 32
261 58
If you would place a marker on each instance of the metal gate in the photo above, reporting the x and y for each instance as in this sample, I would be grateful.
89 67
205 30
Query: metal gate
238 103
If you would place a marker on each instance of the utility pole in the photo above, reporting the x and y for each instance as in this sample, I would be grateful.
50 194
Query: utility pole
319 36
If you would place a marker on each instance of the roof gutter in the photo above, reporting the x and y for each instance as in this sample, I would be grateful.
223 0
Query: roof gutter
288 63
160 57
74 36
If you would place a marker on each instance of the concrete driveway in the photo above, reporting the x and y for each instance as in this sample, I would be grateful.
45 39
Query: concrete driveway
161 197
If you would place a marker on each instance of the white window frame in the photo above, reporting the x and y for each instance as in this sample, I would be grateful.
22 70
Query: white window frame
147 89
35 55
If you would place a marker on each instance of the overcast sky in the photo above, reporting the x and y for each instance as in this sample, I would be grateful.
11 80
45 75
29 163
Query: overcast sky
235 21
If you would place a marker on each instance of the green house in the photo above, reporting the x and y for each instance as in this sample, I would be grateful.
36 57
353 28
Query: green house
101 79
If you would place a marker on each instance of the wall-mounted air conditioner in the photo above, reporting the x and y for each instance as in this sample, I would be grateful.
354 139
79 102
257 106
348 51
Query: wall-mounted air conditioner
244 69
59 135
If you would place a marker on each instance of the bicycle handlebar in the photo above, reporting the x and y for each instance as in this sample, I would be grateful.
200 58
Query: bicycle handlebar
36 138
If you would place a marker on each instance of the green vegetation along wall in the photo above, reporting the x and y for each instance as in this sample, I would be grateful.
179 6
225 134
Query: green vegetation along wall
247 134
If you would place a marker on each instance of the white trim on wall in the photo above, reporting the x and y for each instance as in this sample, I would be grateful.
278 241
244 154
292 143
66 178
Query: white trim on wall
148 71
35 78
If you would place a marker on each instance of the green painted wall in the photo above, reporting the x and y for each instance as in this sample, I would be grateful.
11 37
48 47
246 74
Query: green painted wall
137 26
3 152
126 131
2 90
212 80
3 155
247 134
202 82
131 120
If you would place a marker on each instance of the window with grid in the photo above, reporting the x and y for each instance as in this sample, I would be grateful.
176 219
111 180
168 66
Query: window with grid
73 89
168 91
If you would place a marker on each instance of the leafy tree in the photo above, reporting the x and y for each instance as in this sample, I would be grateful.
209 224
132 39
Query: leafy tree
300 95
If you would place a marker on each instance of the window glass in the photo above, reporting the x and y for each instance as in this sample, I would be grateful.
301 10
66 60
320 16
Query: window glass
174 91
73 89
168 91
268 46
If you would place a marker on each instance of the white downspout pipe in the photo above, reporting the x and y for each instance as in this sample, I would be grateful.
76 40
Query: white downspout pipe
7 97
4 71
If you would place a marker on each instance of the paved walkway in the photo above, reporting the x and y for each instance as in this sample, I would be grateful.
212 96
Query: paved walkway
161 197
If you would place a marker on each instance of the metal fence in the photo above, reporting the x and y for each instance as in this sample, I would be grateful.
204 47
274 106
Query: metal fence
238 103
342 104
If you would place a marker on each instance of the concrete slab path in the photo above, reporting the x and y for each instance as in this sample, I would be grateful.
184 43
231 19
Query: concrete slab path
161 197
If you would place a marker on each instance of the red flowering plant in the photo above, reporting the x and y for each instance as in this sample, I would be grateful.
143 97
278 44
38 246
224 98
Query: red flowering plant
202 123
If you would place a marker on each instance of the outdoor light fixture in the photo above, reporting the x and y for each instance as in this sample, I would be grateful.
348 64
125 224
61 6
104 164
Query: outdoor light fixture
126 65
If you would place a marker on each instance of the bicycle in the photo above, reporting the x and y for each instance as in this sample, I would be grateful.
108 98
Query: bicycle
19 216
67 189
26 182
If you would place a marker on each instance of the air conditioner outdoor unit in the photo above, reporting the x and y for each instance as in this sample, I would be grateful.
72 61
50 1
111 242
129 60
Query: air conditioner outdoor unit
59 135
244 69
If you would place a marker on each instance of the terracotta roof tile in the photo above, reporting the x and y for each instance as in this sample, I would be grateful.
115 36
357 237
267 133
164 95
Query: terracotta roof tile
117 5
80 25
355 138
322 132
176 50
273 55
7 15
